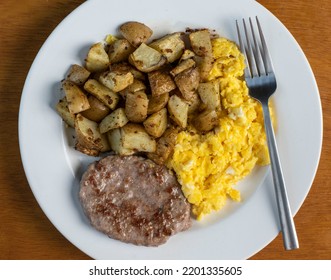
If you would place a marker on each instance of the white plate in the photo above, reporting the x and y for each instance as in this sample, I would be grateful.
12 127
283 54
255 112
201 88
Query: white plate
53 168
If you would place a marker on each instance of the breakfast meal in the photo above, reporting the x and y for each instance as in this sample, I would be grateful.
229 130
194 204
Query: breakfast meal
172 123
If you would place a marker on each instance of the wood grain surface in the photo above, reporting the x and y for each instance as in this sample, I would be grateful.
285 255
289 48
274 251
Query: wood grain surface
26 233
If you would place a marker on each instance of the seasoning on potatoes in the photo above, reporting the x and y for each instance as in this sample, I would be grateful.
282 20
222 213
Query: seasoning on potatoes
164 146
116 143
76 98
97 58
136 105
116 81
156 124
114 120
147 59
103 93
156 103
119 51
78 74
206 121
88 136
63 111
160 82
135 137
188 82
135 32
178 110
171 46
97 111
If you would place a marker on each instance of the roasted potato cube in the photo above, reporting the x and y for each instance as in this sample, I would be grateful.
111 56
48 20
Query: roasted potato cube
78 74
103 93
147 59
156 103
206 120
201 42
116 144
136 105
105 144
194 104
178 110
204 64
135 137
188 82
171 46
164 146
160 82
137 85
182 66
135 32
187 54
124 67
156 123
89 139
97 58
120 50
97 111
76 98
116 81
210 95
114 120
63 111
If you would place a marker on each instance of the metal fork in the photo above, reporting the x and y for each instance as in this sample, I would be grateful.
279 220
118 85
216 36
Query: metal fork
261 82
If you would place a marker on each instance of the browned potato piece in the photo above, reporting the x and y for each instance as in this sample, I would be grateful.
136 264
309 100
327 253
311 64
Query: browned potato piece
124 67
204 64
187 54
120 50
116 81
114 120
89 139
178 110
160 82
188 82
97 111
182 66
135 137
156 103
194 104
201 43
164 146
171 46
210 95
147 59
136 104
104 94
156 123
135 32
97 58
78 74
63 111
116 143
137 85
206 121
76 98
105 144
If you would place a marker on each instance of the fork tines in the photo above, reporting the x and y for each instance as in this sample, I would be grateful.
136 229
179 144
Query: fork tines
253 46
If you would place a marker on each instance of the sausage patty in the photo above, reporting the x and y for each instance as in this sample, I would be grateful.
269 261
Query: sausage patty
134 200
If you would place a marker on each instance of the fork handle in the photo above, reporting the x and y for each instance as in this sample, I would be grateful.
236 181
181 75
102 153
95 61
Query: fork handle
290 239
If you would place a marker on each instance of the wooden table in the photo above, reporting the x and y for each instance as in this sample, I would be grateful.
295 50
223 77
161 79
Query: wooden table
26 233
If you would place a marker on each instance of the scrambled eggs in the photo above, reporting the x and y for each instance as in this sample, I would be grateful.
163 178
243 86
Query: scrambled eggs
208 166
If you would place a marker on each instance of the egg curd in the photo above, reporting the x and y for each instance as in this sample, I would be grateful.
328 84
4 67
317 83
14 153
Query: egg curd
209 166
